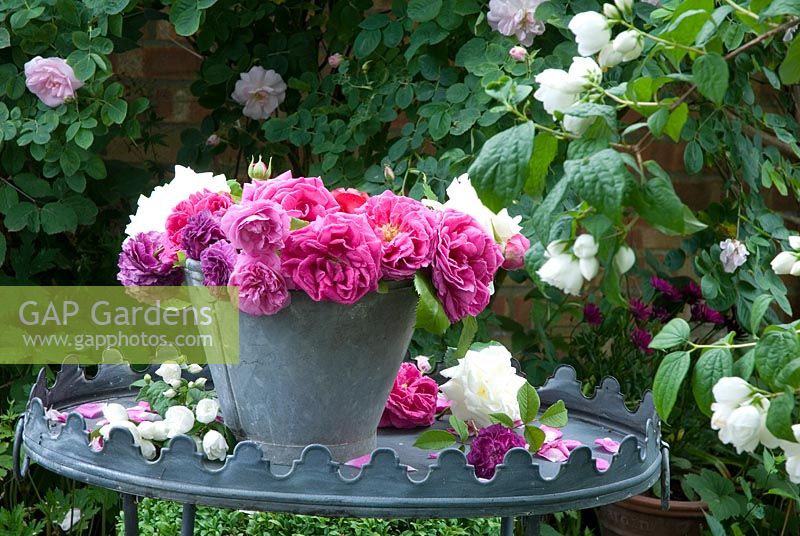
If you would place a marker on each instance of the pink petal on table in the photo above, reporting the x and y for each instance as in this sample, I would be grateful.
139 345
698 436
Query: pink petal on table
552 453
91 410
433 455
551 434
55 415
601 464
608 444
138 414
145 404
571 444
442 403
359 462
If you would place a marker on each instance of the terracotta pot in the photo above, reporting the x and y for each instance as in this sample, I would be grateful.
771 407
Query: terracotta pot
642 516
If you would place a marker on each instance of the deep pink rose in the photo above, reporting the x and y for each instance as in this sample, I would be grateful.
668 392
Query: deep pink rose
489 448
52 80
336 258
349 199
405 227
214 202
412 401
514 253
464 264
256 227
262 288
305 198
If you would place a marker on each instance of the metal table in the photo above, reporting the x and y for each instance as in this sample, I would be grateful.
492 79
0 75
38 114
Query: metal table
400 481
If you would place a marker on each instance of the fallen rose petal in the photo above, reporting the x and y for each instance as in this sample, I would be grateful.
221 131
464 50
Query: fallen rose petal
601 464
433 455
553 454
551 434
55 415
571 444
139 414
359 462
145 404
608 444
442 403
91 410
96 444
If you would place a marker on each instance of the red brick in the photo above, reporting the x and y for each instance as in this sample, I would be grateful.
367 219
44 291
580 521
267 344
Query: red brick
170 63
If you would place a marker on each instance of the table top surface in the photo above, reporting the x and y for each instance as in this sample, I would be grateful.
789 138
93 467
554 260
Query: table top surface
399 480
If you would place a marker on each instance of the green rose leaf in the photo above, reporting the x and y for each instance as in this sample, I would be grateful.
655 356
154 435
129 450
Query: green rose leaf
430 313
528 400
366 42
714 364
5 38
460 427
710 73
23 215
779 416
424 10
534 436
57 217
435 440
555 416
501 169
469 327
668 381
600 180
503 419
675 333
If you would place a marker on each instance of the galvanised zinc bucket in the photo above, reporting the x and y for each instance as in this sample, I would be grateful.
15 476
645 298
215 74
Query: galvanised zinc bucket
315 372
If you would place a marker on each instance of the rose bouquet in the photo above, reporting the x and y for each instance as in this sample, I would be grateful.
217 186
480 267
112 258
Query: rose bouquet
274 236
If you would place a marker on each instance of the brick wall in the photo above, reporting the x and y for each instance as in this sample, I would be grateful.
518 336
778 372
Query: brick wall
164 68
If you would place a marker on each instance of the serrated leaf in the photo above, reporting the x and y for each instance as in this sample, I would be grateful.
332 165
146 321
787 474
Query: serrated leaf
779 416
460 427
435 440
555 416
675 333
528 400
503 419
668 380
743 367
469 327
657 202
758 310
545 149
714 364
600 180
430 313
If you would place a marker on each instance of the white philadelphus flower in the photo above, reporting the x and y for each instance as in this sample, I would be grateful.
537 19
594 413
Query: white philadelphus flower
169 371
505 226
611 12
625 6
609 57
462 196
207 410
783 262
200 382
215 446
174 383
624 259
179 419
742 429
71 519
169 393
423 363
794 242
559 89
585 246
592 32
586 70
576 125
561 269
260 91
115 412
147 448
194 368
732 391
791 450
515 17
152 212
629 44
105 430
483 382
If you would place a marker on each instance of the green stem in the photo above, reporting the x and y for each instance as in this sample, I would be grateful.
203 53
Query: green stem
665 42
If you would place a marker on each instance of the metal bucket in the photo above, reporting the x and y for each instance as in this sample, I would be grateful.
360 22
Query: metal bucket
315 372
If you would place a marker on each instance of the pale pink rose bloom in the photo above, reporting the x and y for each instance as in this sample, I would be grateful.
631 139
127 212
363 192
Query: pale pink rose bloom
518 53
260 91
334 60
515 17
52 80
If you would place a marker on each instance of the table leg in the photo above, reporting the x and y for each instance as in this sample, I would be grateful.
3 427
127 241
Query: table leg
187 524
130 514
530 525
506 526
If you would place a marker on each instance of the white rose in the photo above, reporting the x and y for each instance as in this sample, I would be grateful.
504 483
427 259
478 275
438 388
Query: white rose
115 413
783 262
462 196
629 44
732 391
207 410
592 32
483 382
609 57
169 371
146 429
194 368
585 247
563 272
179 419
215 446
505 226
148 449
624 259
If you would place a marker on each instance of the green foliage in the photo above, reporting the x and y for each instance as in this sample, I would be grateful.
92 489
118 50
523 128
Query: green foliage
668 380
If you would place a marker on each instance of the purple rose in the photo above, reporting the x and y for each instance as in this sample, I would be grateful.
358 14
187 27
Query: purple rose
257 227
201 231
405 227
514 254
140 266
305 198
336 258
217 261
464 264
489 448
52 80
262 288
412 401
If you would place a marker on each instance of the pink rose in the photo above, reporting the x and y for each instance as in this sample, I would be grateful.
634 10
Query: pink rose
256 227
514 253
405 227
334 60
214 202
349 199
464 263
412 401
52 80
336 258
305 198
262 288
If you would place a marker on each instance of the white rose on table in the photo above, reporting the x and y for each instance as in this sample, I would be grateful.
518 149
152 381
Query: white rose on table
215 446
179 419
207 410
483 382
